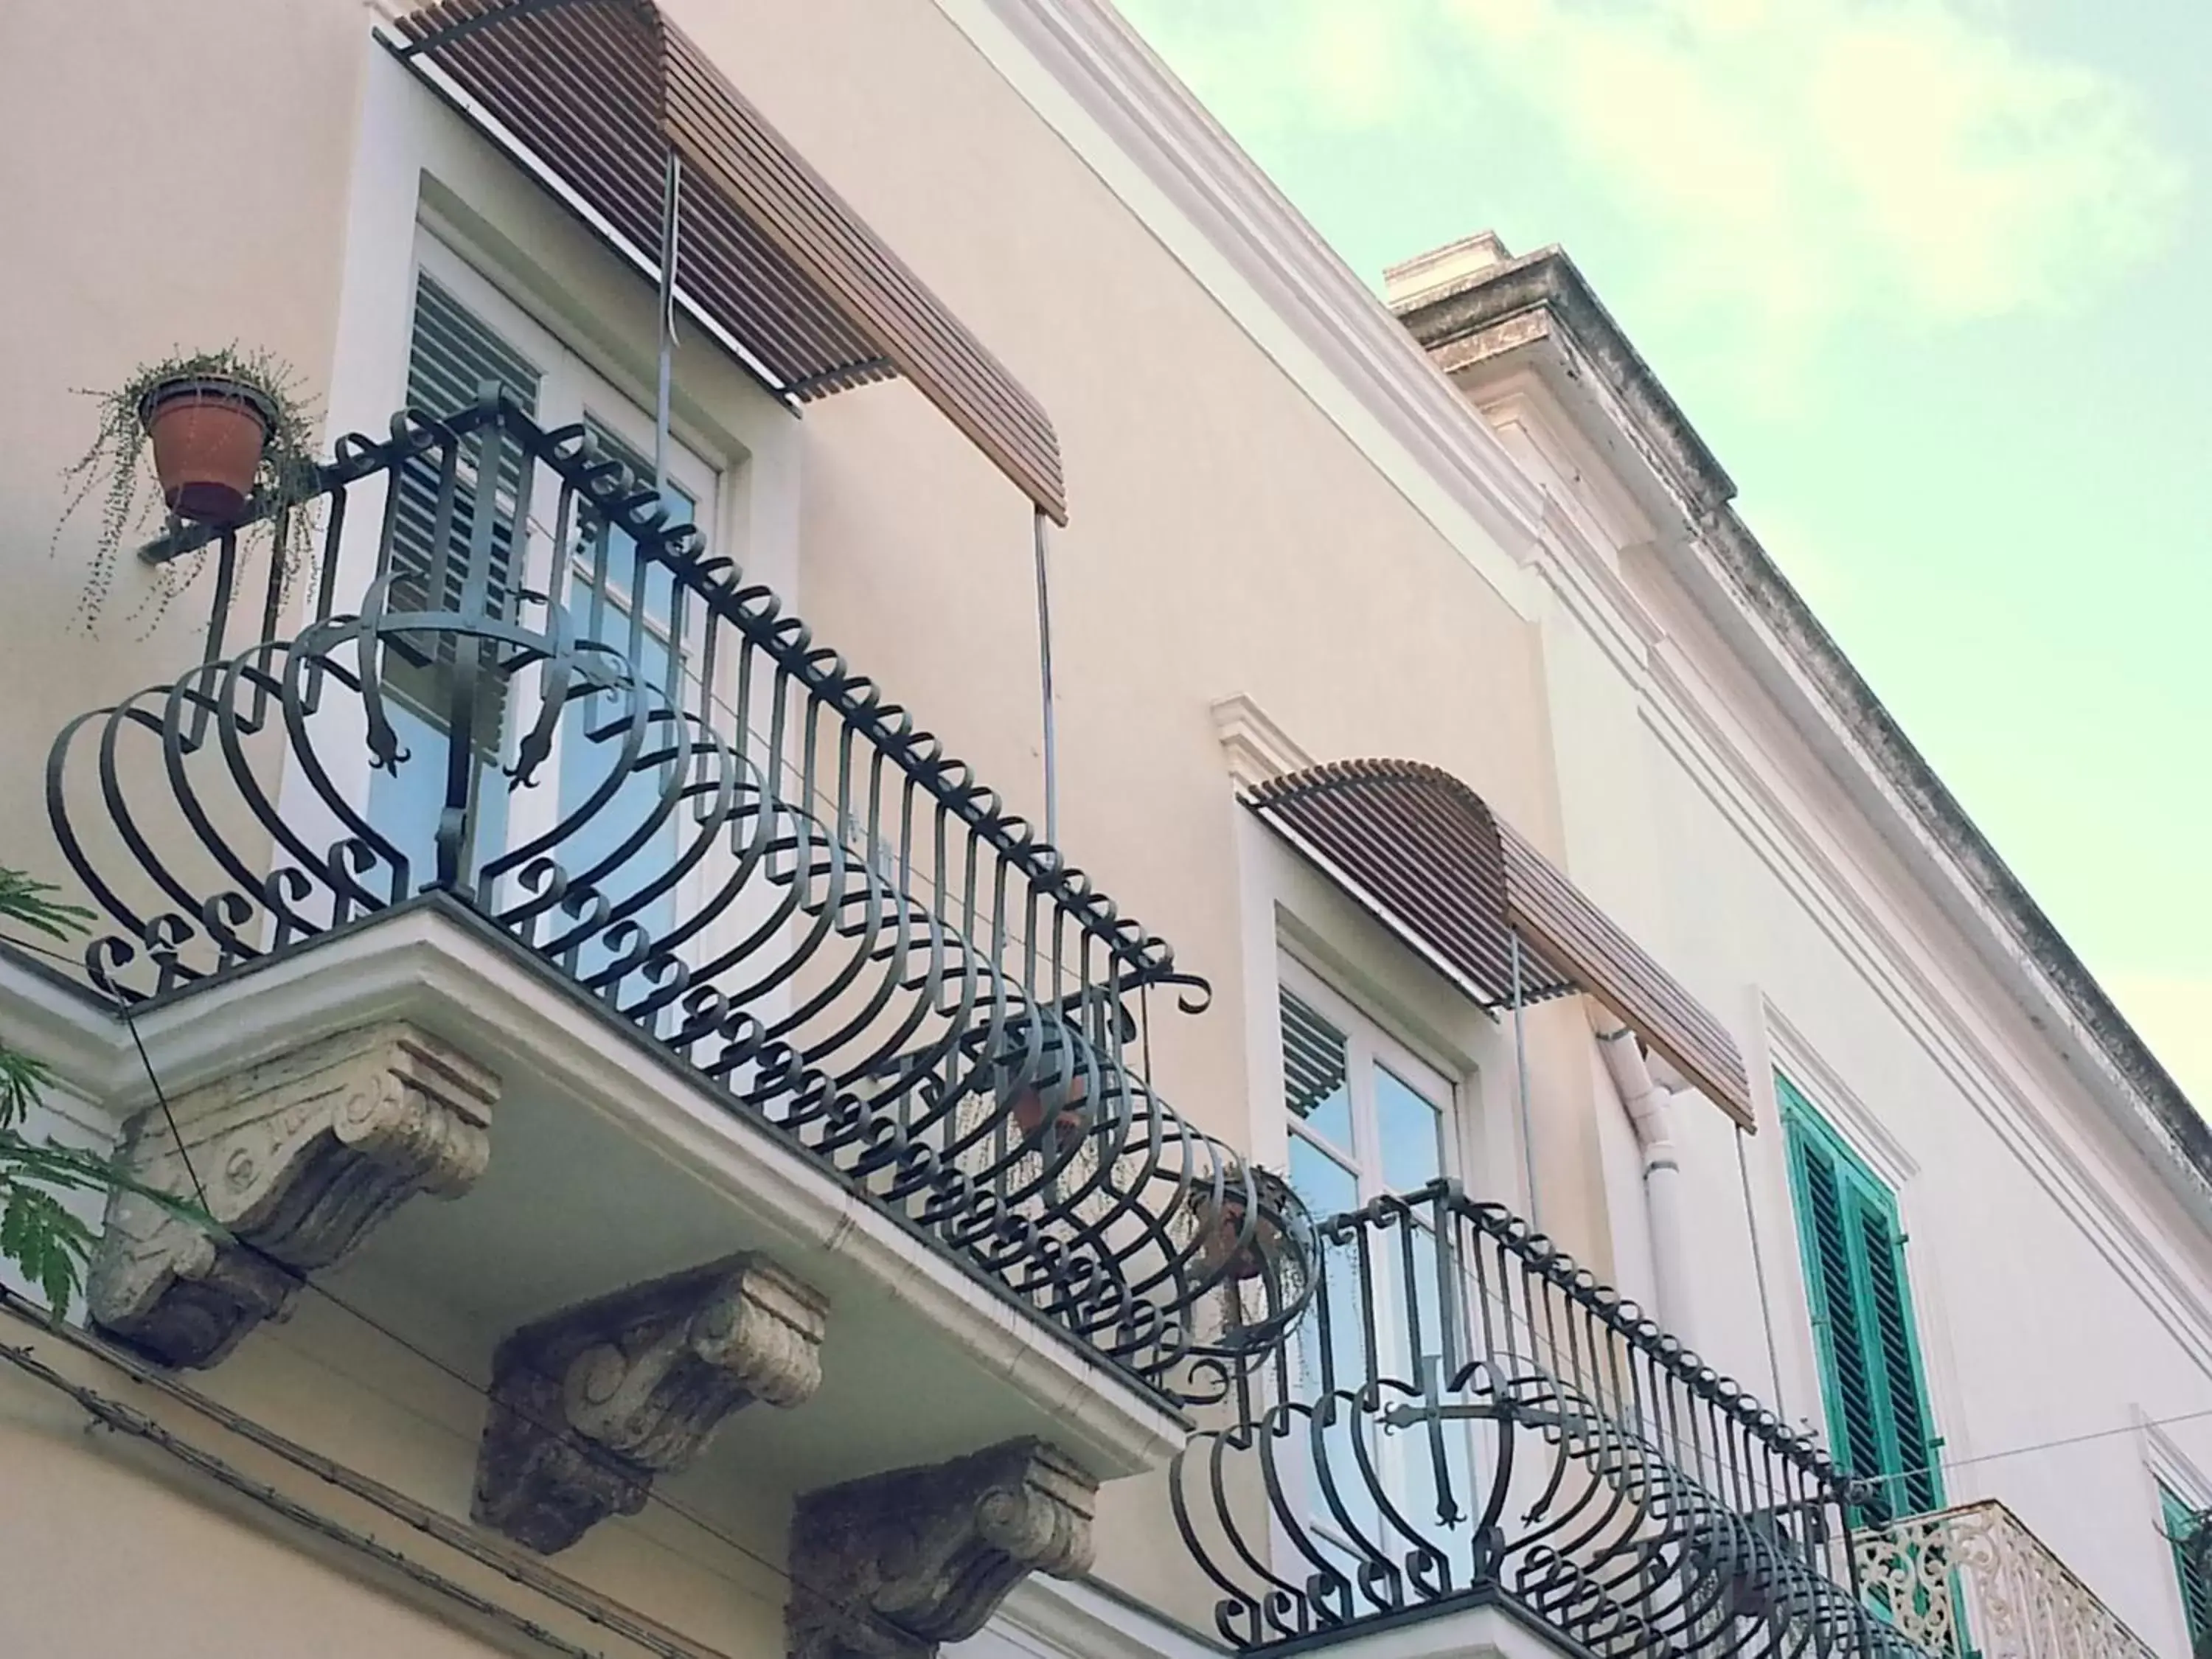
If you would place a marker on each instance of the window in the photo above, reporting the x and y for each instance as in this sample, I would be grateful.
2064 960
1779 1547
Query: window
2189 1531
466 333
1367 1118
1878 1426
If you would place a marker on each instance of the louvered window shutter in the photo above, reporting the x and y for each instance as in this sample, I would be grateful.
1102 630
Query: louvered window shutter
1878 1426
2185 1526
451 353
1909 1453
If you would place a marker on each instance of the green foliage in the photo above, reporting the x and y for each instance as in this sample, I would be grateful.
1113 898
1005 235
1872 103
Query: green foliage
118 466
38 1232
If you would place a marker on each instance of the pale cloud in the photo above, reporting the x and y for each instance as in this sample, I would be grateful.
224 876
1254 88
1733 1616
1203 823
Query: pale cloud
1801 164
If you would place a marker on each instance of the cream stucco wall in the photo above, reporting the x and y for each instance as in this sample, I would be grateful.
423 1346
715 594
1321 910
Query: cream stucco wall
149 214
1228 538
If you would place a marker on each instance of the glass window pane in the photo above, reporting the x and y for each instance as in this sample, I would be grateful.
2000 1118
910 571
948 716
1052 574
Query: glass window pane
405 803
1325 1185
1410 1131
1314 1064
623 562
596 730
1328 1189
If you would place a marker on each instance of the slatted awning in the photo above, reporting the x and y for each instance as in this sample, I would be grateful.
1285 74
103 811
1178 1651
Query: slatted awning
599 93
1425 855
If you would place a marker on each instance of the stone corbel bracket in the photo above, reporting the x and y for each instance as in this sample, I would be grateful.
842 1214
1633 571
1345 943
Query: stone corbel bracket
300 1156
891 1566
589 1405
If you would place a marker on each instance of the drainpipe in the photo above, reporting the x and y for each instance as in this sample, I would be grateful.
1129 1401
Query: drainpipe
1651 1113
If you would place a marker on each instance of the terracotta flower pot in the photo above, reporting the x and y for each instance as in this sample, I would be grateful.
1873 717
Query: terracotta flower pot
207 436
1069 1123
1221 1224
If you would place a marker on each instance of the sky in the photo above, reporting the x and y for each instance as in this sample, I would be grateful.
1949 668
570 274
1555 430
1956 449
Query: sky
1926 275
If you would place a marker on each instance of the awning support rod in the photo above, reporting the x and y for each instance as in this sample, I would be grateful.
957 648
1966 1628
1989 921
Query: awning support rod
1044 683
1521 1082
670 205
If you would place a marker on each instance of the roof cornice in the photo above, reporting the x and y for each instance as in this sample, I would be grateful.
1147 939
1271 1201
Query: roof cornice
1498 310
1501 307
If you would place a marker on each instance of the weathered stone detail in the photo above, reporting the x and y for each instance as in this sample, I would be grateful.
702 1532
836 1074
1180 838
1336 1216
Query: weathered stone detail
588 1406
301 1156
891 1566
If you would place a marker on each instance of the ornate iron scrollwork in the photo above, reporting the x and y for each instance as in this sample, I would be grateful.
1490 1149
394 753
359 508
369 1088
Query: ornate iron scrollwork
562 711
1466 1411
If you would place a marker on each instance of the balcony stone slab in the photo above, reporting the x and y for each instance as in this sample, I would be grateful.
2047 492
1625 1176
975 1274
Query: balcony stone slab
617 1164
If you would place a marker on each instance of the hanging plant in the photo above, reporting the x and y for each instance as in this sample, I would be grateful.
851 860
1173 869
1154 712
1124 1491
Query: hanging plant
1222 1236
213 437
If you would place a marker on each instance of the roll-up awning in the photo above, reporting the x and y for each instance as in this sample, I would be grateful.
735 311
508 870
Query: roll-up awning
599 93
1428 858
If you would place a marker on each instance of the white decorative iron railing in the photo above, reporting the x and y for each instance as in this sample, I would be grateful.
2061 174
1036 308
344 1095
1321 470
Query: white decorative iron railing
1973 1583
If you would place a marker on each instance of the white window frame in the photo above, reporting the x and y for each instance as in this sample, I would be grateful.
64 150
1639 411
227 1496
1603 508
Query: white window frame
418 167
569 390
1369 1047
572 389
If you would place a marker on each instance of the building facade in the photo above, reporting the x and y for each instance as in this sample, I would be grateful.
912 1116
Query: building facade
676 1163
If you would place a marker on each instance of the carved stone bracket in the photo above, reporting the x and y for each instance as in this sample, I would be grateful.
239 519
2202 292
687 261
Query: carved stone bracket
891 1566
300 1156
589 1405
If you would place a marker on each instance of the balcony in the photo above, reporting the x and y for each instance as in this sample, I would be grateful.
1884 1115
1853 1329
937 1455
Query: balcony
1467 1424
569 878
1974 1581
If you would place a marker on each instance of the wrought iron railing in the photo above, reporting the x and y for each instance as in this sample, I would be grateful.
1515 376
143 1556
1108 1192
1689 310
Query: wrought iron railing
561 710
1465 1415
1973 1583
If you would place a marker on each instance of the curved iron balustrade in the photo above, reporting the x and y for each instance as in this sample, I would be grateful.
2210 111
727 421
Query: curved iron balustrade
750 856
1466 1412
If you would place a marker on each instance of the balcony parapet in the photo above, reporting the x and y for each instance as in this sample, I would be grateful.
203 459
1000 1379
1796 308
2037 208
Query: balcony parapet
1972 1580
1467 1416
567 715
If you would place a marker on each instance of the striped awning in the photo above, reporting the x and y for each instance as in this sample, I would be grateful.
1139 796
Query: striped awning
598 95
1427 857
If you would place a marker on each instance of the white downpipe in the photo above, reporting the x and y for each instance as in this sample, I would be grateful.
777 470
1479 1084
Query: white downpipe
1651 1110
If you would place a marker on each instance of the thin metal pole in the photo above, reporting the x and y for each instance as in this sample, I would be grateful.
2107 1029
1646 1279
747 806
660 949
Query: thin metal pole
1044 682
1520 1080
1758 1271
671 199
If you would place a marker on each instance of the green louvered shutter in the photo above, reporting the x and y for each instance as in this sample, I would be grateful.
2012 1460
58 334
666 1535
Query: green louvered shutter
1876 1398
2184 1526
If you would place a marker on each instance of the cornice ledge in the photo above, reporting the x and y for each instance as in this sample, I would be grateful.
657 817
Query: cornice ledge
2056 989
1089 1619
2104 1049
1117 79
76 1033
1463 318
